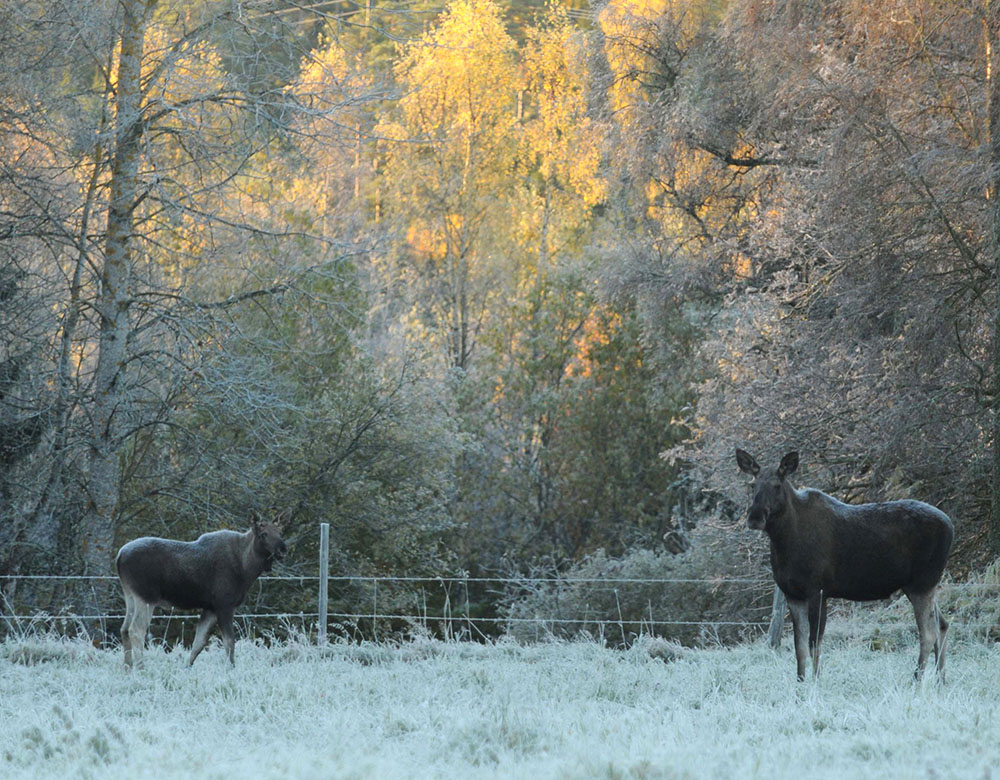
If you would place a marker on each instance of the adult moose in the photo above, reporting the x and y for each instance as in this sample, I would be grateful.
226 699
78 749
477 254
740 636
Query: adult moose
211 574
823 548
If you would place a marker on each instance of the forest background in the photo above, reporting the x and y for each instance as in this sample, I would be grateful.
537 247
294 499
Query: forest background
492 287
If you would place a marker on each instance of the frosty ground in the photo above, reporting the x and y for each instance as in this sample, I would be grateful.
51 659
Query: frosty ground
459 710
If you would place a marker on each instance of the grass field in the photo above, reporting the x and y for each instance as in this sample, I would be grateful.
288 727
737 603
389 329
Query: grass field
455 710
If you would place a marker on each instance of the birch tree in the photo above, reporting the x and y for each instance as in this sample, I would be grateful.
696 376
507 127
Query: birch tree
138 134
115 296
453 144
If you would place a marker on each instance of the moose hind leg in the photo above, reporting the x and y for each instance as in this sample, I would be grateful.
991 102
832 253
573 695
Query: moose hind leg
205 625
800 630
142 615
126 623
928 627
939 646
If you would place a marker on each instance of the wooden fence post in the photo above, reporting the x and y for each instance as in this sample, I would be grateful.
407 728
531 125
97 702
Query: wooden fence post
777 618
324 574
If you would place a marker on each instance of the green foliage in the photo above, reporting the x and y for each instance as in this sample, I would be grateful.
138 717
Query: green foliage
567 431
290 414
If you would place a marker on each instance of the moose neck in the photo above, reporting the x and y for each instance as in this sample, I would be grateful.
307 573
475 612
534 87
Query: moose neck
781 528
253 564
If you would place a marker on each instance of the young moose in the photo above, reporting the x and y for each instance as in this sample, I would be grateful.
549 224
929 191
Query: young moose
823 548
212 574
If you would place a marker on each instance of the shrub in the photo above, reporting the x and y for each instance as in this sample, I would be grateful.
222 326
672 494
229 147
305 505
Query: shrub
690 598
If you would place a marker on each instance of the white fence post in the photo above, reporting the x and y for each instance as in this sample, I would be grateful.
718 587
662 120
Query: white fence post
324 575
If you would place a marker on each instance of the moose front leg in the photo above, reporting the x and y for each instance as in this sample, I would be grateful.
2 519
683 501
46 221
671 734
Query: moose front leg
817 625
799 610
228 635
205 625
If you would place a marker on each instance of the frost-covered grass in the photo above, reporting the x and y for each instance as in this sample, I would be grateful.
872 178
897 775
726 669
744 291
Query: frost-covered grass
450 710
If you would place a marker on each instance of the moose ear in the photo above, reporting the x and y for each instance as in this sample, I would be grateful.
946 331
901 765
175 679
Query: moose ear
746 462
788 464
254 521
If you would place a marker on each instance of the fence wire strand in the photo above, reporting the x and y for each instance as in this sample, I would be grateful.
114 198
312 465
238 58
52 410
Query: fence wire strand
301 578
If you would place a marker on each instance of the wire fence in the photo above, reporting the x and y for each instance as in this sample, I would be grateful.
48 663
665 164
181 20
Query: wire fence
517 582
449 609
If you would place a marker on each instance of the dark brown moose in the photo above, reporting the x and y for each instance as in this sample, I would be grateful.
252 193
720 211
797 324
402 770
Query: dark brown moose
211 574
823 548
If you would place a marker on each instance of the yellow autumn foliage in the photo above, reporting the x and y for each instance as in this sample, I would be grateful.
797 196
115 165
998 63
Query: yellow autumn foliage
562 139
322 77
636 30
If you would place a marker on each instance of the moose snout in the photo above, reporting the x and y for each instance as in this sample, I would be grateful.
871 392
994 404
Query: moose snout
280 550
757 518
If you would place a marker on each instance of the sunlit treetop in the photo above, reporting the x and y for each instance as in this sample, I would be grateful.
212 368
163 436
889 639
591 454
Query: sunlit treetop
461 75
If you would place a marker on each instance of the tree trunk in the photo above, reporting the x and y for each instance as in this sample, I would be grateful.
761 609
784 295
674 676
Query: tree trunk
110 403
992 8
